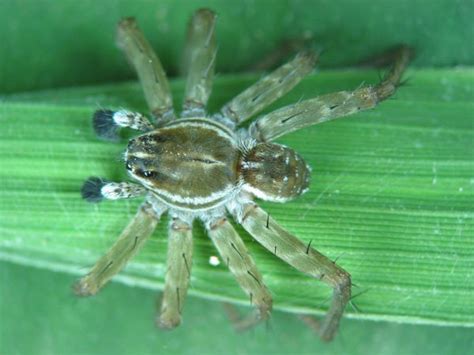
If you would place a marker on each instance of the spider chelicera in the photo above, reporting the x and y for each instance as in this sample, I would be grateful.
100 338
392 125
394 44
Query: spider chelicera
201 166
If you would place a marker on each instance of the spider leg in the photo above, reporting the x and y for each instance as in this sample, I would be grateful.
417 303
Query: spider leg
200 57
331 106
148 67
387 57
268 89
311 322
302 257
179 260
234 253
129 243
239 322
96 189
282 51
107 123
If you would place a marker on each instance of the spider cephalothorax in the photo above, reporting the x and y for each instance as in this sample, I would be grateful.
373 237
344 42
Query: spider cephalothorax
201 166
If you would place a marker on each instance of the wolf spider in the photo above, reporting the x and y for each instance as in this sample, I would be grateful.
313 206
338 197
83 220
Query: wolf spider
201 166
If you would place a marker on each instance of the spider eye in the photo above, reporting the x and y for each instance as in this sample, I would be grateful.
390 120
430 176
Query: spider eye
128 166
146 174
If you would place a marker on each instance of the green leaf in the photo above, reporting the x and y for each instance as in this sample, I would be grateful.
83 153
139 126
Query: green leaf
391 196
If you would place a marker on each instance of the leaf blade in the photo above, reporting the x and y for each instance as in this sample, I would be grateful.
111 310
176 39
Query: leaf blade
392 197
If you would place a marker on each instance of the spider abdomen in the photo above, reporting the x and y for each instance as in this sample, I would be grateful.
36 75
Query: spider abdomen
188 164
274 172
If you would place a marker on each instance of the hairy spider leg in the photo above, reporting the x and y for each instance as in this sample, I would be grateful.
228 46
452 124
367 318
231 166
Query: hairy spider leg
284 49
268 89
148 67
303 258
330 106
179 262
128 244
234 253
199 61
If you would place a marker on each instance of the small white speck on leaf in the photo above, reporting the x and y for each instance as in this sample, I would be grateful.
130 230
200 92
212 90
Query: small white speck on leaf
214 260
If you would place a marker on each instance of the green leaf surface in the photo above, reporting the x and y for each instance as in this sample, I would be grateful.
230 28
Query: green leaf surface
50 43
391 196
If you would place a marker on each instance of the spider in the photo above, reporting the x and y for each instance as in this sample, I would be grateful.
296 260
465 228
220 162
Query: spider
201 166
